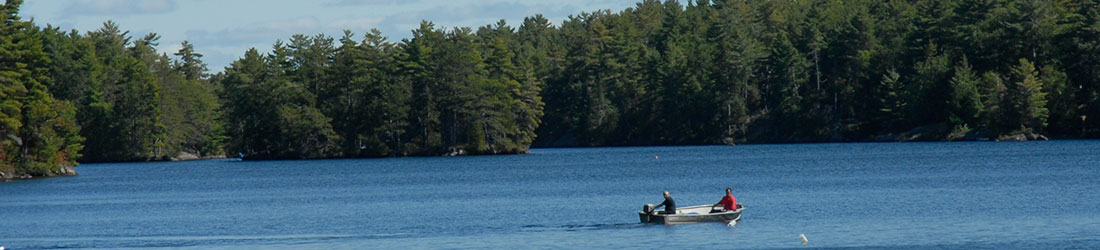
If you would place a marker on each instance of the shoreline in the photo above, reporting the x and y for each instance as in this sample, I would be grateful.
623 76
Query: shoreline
70 171
887 138
993 140
65 171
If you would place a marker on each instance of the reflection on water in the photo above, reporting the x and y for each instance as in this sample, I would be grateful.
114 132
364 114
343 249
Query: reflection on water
881 195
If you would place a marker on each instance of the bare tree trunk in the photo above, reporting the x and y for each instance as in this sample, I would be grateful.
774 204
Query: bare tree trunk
817 68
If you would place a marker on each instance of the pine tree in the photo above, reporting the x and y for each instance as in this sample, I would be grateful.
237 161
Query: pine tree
344 100
418 65
1061 101
388 107
38 134
993 93
1026 99
190 63
892 102
965 101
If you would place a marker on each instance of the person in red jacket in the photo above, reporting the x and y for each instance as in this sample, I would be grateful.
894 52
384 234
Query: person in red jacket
728 202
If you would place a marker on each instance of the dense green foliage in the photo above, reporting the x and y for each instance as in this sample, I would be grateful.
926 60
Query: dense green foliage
658 73
133 104
38 134
708 72
789 71
439 92
100 95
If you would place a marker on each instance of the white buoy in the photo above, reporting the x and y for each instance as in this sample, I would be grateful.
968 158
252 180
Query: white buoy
731 224
803 236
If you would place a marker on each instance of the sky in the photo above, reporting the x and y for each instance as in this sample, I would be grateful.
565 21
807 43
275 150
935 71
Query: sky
223 30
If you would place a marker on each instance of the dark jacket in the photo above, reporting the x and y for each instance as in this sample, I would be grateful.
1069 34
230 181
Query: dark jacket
670 206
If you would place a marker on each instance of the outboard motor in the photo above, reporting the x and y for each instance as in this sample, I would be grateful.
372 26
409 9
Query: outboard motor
647 213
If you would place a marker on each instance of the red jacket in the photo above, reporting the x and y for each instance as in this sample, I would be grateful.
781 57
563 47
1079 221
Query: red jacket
729 202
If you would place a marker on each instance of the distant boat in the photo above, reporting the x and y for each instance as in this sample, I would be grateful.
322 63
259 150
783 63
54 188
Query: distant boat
692 214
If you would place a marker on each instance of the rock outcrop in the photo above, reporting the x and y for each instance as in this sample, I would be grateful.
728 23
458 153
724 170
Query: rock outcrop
63 171
1023 137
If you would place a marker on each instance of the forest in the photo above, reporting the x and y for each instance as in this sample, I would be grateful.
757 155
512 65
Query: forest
657 73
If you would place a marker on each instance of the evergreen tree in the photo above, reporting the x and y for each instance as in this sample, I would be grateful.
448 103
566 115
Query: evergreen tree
994 89
389 106
659 72
189 106
1026 100
346 94
1061 101
38 134
739 51
539 55
245 105
190 63
965 101
931 93
892 102
788 74
417 64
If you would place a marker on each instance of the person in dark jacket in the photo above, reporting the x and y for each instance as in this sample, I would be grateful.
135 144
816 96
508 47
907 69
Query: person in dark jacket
669 204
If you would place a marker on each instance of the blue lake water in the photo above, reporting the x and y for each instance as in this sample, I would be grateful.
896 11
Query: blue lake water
859 195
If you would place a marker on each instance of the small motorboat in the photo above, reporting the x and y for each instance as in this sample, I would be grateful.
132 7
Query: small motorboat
692 214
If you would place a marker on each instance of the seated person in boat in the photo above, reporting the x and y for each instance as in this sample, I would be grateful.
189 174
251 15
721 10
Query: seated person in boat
669 204
728 202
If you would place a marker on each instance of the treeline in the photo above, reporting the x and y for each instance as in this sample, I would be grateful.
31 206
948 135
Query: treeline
658 73
98 96
795 71
38 135
440 92
132 104
707 72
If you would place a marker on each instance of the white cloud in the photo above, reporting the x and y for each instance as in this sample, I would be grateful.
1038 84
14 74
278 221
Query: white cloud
120 7
217 58
355 24
169 49
256 32
344 3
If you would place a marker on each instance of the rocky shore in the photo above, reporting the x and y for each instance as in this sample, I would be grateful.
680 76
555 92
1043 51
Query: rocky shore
64 171
186 156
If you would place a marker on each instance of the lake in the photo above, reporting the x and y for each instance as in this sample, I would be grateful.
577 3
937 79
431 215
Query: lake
858 195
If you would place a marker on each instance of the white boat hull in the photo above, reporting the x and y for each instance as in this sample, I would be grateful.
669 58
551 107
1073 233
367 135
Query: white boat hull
692 214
